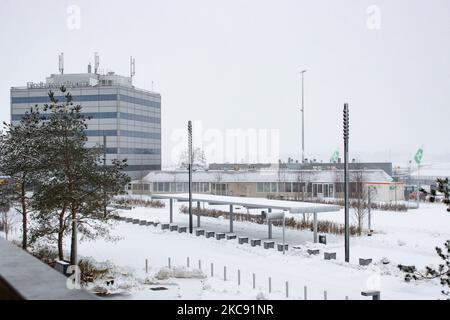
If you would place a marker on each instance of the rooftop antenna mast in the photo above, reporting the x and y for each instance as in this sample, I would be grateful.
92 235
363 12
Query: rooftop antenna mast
132 67
96 63
61 63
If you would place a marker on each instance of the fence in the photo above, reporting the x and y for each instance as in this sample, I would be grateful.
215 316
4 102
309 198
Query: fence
290 290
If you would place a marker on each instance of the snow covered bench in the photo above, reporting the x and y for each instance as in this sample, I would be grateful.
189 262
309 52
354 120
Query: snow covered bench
210 234
280 246
313 252
242 240
173 227
149 223
255 242
200 232
269 244
329 255
165 226
231 236
136 221
220 236
143 223
129 220
182 229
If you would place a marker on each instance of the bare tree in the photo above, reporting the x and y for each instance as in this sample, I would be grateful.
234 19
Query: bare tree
198 159
338 182
8 215
359 197
217 178
302 185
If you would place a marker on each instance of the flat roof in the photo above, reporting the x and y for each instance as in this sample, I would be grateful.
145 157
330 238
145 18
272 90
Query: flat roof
291 206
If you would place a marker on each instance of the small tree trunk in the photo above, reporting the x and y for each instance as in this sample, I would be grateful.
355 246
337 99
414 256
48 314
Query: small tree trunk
73 245
61 236
24 216
6 225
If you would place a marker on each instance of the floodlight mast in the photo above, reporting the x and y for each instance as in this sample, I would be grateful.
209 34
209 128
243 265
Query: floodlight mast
346 196
190 173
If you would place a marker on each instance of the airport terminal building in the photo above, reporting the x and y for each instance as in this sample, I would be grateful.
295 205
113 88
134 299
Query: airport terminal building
129 118
278 184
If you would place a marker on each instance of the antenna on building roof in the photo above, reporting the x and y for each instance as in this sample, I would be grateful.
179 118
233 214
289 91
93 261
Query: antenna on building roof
61 63
132 67
96 63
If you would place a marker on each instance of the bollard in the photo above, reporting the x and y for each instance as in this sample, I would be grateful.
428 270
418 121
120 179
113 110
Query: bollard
146 266
212 269
225 273
239 277
287 289
254 281
187 261
169 263
270 285
200 264
372 293
325 295
346 297
305 292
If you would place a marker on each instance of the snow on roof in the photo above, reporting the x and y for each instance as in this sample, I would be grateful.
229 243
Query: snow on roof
291 206
264 176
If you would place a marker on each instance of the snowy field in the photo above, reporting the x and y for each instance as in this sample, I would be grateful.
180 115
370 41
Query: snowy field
407 238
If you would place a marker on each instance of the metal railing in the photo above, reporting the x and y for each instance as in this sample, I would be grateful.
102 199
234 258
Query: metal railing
24 277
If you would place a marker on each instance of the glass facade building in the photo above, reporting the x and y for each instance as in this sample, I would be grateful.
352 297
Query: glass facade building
129 117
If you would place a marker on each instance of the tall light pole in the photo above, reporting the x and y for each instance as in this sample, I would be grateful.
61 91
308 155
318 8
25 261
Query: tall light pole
346 204
190 173
303 119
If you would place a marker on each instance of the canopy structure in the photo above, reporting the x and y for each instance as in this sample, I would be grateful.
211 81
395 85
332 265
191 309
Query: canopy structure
293 207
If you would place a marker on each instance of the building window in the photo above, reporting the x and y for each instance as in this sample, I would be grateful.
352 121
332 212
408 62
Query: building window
259 187
273 187
281 187
288 187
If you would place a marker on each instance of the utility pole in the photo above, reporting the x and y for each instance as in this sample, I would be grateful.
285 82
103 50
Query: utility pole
104 167
347 222
190 173
303 119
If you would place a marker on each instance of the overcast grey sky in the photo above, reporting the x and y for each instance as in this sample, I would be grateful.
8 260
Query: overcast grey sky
235 64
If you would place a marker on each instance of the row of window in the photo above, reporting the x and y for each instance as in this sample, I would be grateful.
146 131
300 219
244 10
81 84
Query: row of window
123 133
90 97
143 102
180 187
105 115
144 167
220 189
132 151
275 187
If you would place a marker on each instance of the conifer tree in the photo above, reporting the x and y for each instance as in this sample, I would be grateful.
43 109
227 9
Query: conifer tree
79 187
22 149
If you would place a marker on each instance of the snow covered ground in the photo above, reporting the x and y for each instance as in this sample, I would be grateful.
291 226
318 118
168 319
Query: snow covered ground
403 238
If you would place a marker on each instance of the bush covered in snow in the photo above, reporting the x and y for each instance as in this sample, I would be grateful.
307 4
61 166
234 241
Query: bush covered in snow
179 272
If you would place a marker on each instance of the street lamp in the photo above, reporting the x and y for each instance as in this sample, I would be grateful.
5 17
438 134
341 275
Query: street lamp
303 119
190 173
346 202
